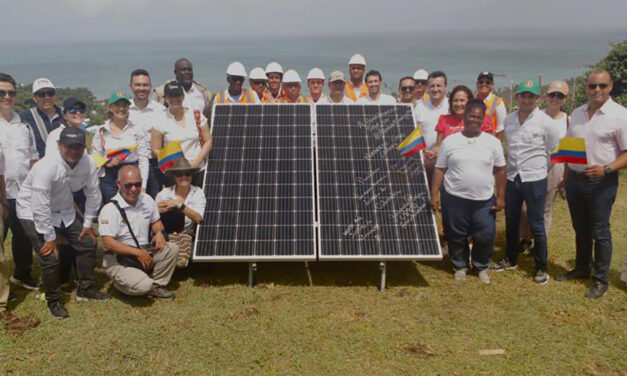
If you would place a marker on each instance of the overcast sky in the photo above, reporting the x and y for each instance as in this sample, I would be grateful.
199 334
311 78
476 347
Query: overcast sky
91 20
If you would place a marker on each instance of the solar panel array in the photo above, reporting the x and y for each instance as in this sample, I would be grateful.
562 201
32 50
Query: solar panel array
265 201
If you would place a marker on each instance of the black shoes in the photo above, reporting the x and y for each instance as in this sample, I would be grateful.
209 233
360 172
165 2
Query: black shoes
573 274
597 290
91 295
57 309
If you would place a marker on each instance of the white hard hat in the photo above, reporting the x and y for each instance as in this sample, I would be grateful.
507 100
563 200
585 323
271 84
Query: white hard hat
236 69
421 74
315 74
274 67
291 76
357 59
257 74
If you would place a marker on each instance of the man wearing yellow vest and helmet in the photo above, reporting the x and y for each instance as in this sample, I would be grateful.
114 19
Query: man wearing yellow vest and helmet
495 106
274 72
315 83
291 88
236 93
258 81
356 87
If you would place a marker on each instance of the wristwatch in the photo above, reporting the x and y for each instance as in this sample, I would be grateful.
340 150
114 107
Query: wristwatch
181 206
607 170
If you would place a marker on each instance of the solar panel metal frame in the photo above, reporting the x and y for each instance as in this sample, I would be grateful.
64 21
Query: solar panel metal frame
256 258
379 257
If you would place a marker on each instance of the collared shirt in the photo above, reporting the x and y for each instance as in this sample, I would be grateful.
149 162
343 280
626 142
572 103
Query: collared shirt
195 200
46 195
187 135
381 99
427 116
50 123
132 135
194 99
140 216
148 116
605 133
18 143
354 93
329 100
529 145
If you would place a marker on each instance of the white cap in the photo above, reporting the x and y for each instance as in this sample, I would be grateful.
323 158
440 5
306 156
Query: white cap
357 59
236 69
421 74
291 76
257 73
42 83
274 67
315 74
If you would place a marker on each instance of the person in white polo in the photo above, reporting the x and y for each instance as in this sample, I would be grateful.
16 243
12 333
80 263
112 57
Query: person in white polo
374 80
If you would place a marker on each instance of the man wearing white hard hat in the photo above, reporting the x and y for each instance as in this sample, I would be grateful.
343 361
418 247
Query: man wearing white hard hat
420 93
274 72
374 80
356 87
291 88
315 83
236 92
336 90
258 80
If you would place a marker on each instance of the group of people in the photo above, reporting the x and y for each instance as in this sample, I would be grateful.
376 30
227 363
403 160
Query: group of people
52 190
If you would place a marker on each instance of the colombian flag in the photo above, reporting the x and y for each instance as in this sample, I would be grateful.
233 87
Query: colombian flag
413 143
570 150
121 153
169 154
99 160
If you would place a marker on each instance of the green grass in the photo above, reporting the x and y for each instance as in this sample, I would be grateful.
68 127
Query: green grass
425 323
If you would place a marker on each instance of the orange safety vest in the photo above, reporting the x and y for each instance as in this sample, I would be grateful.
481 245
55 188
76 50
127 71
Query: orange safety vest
245 97
490 111
309 99
349 91
268 98
284 99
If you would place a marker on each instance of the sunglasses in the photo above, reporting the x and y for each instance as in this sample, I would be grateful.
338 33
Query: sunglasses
128 186
421 82
556 94
181 174
407 88
44 93
10 93
74 111
484 82
594 86
237 78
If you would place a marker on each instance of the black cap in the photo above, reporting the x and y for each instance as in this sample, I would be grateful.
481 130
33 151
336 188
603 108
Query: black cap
486 74
173 89
72 102
71 136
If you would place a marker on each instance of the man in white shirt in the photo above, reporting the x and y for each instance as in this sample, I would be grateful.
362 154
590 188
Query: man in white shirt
197 97
531 137
428 114
148 114
374 80
591 188
20 151
45 207
136 265
336 90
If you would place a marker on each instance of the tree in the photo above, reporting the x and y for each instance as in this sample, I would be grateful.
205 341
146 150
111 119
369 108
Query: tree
614 62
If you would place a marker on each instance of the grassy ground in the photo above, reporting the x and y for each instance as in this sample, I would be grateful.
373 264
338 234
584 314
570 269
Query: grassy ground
425 323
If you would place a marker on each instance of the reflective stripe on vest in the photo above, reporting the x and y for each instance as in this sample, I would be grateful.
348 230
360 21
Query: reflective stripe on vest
245 97
349 90
490 111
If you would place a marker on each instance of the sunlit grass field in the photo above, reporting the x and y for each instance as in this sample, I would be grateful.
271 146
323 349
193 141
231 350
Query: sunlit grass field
333 320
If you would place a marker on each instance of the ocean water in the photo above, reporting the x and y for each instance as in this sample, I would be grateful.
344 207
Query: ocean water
105 67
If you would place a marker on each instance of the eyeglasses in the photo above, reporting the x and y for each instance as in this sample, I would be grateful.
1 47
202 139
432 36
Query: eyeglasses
556 94
44 93
128 186
407 88
594 86
421 82
484 82
74 111
182 173
10 93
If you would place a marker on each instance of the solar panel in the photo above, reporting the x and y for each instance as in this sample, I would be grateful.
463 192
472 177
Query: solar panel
372 203
259 185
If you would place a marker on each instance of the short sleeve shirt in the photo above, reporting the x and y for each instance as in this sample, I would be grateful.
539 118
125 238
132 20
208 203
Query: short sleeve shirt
195 200
187 135
427 117
140 216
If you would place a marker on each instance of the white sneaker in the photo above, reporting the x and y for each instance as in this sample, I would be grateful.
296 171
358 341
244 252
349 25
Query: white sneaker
460 274
484 277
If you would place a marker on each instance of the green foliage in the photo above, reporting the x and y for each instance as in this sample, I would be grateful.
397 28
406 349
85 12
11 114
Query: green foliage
96 108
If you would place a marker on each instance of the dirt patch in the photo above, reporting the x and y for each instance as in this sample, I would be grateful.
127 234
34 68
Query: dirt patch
418 350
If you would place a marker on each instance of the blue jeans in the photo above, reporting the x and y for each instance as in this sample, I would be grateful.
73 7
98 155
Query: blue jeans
590 202
533 193
463 218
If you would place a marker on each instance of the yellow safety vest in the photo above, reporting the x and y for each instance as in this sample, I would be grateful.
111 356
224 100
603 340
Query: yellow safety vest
349 91
245 97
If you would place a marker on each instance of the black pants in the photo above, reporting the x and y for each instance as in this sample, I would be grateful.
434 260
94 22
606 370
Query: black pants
20 245
156 179
85 250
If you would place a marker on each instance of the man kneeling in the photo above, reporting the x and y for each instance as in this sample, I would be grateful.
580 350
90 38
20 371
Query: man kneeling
136 266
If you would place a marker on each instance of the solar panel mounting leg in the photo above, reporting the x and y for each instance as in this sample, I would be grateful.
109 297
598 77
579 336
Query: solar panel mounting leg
252 268
383 268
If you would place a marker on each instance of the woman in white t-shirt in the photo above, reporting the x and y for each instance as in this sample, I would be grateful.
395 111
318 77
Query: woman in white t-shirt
467 166
185 125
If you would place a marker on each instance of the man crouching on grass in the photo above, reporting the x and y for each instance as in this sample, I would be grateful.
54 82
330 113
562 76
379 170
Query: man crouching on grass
136 266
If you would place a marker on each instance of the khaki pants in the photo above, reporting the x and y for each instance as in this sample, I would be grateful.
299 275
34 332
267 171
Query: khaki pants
132 281
4 268
553 179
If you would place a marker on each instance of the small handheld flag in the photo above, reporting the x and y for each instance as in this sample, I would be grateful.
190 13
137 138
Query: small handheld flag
570 150
121 153
99 160
168 154
413 143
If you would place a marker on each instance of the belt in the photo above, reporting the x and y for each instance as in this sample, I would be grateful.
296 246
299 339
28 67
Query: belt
578 175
